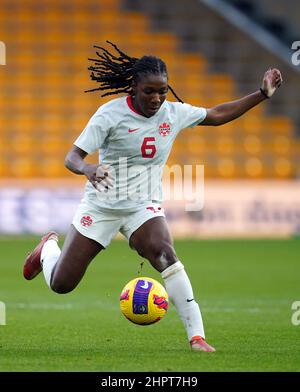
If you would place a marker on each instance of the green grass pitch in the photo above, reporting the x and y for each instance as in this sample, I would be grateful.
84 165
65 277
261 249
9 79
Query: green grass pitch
245 290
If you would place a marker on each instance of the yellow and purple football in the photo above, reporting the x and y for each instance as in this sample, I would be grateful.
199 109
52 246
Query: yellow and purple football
144 301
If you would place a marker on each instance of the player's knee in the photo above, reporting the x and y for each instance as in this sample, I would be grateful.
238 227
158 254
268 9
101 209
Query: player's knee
61 287
162 255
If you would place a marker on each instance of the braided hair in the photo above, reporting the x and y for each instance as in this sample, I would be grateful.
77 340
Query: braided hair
117 72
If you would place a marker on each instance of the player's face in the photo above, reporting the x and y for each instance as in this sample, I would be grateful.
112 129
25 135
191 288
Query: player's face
150 91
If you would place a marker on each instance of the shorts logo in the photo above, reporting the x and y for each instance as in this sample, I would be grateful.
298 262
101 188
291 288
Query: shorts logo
154 209
164 129
86 221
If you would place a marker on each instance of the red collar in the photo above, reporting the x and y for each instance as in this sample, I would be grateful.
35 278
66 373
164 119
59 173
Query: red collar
129 103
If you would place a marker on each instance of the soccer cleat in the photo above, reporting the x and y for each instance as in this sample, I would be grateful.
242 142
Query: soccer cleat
33 266
199 344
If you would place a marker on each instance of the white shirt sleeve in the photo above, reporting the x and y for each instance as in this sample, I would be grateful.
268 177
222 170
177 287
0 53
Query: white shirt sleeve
190 116
95 133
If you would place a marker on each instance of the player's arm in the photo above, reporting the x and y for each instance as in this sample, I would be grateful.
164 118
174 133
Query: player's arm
74 160
221 114
95 173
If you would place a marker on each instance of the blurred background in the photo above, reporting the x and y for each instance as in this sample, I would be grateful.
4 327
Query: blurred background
215 50
248 288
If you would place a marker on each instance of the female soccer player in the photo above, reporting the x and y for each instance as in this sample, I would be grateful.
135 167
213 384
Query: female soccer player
135 134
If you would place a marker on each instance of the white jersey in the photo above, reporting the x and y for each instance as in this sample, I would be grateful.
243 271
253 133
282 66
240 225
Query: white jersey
135 147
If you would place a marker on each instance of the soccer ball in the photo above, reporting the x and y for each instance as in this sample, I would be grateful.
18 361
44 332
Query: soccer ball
144 301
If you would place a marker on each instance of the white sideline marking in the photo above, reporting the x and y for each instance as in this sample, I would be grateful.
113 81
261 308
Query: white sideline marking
231 310
65 306
41 306
71 306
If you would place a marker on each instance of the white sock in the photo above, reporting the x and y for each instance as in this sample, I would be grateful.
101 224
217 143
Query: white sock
179 288
49 256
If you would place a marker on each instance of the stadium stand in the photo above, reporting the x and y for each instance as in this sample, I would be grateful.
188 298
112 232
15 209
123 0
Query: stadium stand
281 17
44 108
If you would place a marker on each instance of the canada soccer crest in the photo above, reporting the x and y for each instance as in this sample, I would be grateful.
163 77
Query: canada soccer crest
86 221
164 129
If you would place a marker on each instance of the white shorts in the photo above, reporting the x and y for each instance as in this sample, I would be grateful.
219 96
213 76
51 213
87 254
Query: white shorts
102 225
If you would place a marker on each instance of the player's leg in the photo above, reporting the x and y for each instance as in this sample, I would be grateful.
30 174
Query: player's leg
78 251
90 232
153 241
64 269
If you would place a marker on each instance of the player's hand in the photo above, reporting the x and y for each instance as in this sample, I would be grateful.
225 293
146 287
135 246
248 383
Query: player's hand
271 82
104 178
100 176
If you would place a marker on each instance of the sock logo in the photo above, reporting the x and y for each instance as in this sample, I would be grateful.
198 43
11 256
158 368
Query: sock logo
190 300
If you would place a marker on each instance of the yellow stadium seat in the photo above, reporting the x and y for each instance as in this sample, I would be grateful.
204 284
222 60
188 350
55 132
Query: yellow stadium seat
54 146
254 125
44 107
195 145
24 167
54 126
227 168
225 130
191 79
282 144
193 62
210 165
4 168
53 167
107 18
135 44
4 145
254 167
222 85
26 126
109 5
280 126
163 41
23 145
296 148
252 144
134 21
283 168
96 6
225 145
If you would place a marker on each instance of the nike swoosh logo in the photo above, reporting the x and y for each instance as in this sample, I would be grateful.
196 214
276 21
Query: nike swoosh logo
145 285
190 300
133 130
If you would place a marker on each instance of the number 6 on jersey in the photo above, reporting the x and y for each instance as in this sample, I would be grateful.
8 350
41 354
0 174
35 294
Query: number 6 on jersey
148 149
